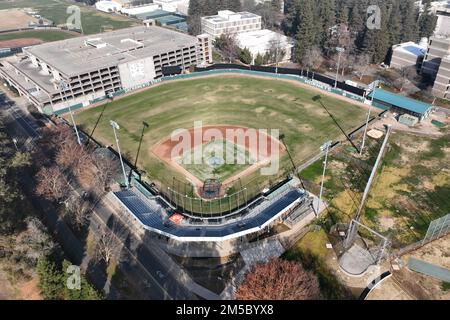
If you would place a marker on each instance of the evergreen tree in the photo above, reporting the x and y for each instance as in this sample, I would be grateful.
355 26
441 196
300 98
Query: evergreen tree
245 56
51 280
427 22
327 12
306 33
259 60
409 12
86 291
234 5
395 26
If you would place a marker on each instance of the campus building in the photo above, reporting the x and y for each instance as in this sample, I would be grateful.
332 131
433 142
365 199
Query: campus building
438 48
230 22
408 54
265 41
441 87
80 71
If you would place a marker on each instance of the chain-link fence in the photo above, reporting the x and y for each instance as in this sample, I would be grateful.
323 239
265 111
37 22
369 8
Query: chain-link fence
437 228
236 196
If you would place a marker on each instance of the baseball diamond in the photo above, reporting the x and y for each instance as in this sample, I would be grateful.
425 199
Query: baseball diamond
221 102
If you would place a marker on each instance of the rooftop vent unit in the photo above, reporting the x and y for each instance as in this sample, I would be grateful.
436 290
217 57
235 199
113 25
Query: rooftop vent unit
135 42
96 43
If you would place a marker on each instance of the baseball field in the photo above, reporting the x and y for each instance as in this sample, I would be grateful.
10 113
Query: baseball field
221 101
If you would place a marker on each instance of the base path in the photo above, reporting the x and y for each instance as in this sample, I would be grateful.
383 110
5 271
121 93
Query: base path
260 145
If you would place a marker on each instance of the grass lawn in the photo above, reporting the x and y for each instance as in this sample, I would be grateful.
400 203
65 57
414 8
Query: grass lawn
411 189
232 100
92 20
312 253
44 35
213 160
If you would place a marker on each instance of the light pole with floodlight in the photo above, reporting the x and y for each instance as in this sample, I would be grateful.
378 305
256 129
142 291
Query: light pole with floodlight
65 86
115 127
375 85
325 147
339 50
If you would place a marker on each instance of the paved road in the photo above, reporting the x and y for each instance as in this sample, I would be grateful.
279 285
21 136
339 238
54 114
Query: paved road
141 266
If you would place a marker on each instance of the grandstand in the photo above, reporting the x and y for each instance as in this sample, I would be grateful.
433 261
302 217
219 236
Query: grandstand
154 214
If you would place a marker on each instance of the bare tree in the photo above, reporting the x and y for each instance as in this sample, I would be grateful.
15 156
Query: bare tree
73 156
110 242
406 74
313 58
51 184
279 280
277 50
104 170
79 210
226 43
360 63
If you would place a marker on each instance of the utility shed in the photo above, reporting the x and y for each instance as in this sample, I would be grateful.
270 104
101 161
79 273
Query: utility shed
408 120
403 105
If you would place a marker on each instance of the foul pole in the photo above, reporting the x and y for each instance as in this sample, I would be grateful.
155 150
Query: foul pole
353 229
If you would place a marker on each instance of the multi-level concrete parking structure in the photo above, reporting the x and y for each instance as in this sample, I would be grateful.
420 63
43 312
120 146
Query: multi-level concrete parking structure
441 88
230 22
82 70
438 47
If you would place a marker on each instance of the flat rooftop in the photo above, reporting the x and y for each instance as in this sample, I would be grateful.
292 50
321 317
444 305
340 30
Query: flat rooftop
261 40
227 15
401 101
83 54
411 48
153 214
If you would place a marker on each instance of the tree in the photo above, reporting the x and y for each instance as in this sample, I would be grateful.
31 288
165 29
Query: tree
226 43
86 291
246 56
259 60
277 51
360 63
313 58
79 210
279 280
306 33
104 168
194 13
427 22
51 184
51 280
12 163
109 242
406 74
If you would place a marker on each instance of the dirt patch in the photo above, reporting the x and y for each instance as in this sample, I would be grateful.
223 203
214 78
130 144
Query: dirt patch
18 43
30 291
15 19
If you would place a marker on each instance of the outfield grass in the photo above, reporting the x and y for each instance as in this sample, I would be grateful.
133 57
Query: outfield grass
92 20
232 100
44 35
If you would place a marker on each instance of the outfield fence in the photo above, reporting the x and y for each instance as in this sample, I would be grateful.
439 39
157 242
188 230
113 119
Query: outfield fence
303 76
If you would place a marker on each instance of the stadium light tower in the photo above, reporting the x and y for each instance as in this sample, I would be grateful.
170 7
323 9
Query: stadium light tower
115 127
144 126
325 147
375 85
66 86
339 50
